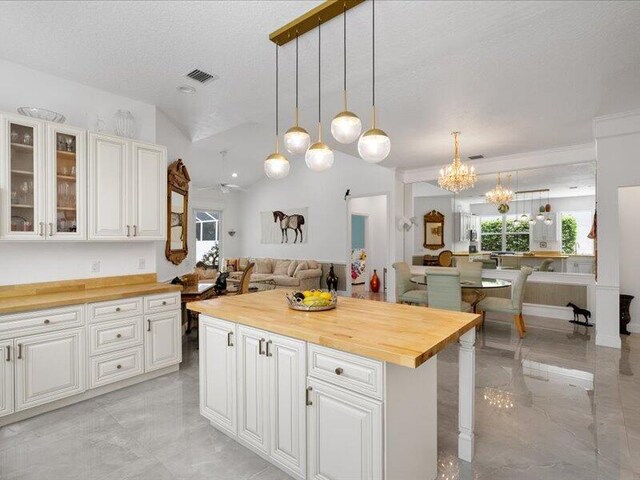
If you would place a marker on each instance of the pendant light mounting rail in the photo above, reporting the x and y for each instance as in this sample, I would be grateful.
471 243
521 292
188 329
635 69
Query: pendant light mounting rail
309 21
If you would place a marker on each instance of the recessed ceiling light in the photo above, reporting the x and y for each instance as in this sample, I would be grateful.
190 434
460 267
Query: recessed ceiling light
234 175
572 188
186 89
475 157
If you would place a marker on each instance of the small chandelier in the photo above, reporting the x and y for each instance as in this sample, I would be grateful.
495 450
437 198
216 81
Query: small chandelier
457 176
499 195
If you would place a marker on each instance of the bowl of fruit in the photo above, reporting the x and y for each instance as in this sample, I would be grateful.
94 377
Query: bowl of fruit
312 300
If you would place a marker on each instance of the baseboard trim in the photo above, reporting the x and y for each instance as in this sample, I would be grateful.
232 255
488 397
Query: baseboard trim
612 341
548 311
634 327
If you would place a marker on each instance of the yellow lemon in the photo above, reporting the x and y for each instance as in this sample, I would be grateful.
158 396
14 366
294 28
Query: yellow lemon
307 293
325 296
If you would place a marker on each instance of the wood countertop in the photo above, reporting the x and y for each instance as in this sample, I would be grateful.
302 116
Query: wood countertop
400 334
38 296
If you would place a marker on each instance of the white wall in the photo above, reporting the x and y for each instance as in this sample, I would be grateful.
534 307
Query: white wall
376 234
323 193
628 202
23 87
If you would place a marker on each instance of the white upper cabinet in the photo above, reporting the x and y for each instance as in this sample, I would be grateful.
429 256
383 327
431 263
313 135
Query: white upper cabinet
148 197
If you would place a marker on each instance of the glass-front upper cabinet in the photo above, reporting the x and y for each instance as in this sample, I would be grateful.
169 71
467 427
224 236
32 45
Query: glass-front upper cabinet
23 173
65 186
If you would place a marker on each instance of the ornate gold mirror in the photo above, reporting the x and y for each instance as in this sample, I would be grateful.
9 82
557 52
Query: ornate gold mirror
177 209
433 230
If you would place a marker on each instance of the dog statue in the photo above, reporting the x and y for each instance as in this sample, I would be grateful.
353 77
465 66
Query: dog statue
221 283
577 311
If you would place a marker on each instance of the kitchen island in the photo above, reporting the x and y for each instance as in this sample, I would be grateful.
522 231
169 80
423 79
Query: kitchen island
349 393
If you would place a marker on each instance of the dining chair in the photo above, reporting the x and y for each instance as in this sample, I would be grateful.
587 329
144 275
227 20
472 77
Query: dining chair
443 289
470 271
511 305
406 291
445 258
546 265
245 280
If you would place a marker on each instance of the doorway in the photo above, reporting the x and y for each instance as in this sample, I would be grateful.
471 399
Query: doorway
207 237
358 266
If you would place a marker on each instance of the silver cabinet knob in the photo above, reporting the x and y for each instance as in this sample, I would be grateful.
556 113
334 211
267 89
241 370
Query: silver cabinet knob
47 321
119 367
119 335
117 309
339 371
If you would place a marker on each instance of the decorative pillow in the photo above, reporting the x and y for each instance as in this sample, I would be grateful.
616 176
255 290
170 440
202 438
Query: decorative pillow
281 267
313 265
243 263
263 265
292 268
301 266
232 265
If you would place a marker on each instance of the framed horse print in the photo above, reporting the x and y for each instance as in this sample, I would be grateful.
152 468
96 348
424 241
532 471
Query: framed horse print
286 226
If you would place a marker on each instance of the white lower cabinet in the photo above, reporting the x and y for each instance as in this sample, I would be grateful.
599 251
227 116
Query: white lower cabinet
115 366
344 434
218 372
163 340
6 377
49 367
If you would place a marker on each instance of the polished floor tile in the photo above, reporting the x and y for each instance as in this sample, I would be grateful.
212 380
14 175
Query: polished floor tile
551 406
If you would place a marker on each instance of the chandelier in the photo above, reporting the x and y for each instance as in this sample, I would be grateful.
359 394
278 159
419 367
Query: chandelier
457 176
499 195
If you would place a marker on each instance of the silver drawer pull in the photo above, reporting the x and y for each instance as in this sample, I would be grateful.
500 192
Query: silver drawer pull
20 351
269 353
50 229
119 335
119 367
148 325
308 397
117 309
8 353
47 321
339 371
229 340
260 350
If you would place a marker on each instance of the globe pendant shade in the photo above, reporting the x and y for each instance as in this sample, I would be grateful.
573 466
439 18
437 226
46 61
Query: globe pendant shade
346 127
276 166
296 140
319 157
374 145
548 221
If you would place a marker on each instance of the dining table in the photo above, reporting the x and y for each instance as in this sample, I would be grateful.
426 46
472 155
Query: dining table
478 287
194 293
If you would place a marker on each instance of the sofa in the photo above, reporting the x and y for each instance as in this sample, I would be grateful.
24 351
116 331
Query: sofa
290 274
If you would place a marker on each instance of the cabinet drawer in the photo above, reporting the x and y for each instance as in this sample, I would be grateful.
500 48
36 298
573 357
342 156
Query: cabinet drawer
109 336
115 366
115 309
353 372
162 303
40 321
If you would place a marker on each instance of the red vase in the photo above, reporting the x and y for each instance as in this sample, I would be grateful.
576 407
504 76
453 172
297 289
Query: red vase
375 282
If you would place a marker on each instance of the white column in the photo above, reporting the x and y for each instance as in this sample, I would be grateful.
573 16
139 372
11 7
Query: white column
466 394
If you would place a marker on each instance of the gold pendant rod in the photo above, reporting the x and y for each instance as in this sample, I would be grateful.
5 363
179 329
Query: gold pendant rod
309 21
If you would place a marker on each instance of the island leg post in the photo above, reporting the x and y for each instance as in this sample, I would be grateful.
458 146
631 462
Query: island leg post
466 394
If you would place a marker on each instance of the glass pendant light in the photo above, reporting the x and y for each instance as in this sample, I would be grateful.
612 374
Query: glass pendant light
346 126
540 215
276 165
319 156
297 139
548 220
532 220
374 145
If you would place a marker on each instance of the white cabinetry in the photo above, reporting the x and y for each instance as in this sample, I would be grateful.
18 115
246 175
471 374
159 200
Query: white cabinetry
162 343
468 226
127 185
548 233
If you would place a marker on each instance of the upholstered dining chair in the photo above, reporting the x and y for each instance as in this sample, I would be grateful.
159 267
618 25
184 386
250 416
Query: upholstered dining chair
443 288
245 280
469 271
546 265
406 291
511 305
445 258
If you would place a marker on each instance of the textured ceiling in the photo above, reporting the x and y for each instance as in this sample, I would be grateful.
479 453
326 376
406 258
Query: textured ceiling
512 76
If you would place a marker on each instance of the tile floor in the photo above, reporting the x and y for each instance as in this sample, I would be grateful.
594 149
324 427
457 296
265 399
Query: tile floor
550 407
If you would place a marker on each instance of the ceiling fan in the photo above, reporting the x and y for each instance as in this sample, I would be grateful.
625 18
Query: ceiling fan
223 186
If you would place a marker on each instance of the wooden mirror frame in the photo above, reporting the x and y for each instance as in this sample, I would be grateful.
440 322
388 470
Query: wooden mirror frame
177 181
430 218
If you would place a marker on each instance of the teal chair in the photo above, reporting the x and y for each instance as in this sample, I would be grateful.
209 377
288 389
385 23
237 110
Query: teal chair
406 291
511 305
443 288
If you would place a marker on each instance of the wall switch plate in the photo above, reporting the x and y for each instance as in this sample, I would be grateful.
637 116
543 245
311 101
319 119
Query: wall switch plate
142 264
95 266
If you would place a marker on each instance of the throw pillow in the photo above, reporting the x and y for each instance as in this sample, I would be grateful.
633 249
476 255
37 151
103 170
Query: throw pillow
281 267
243 263
263 265
232 265
292 268
313 265
301 266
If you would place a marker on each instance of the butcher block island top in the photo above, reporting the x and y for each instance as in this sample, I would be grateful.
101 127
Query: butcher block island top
38 296
399 334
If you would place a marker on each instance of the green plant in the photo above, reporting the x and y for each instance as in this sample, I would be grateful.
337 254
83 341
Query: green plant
569 233
517 236
211 258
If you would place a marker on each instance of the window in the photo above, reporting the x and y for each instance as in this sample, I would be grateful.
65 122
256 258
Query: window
576 226
207 234
499 233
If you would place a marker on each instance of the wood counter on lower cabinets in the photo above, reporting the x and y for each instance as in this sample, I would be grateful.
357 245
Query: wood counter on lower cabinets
328 394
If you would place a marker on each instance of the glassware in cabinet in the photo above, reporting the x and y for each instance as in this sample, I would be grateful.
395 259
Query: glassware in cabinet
22 173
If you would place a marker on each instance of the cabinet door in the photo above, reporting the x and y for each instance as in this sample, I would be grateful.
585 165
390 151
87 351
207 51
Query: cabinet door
49 367
107 188
253 400
22 178
6 377
218 372
344 434
287 373
148 205
163 342
66 183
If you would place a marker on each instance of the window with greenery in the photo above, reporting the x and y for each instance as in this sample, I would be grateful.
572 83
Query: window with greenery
569 233
490 234
501 233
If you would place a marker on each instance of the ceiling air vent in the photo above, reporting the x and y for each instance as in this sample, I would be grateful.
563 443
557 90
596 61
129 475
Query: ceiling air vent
201 77
476 157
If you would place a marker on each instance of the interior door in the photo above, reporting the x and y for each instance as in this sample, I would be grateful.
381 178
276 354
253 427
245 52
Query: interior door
49 367
107 188
6 377
149 191
253 400
162 346
288 429
218 372
345 434
23 182
66 183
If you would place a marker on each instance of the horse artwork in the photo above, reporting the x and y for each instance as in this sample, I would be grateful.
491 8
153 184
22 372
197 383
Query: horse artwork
293 222
284 226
